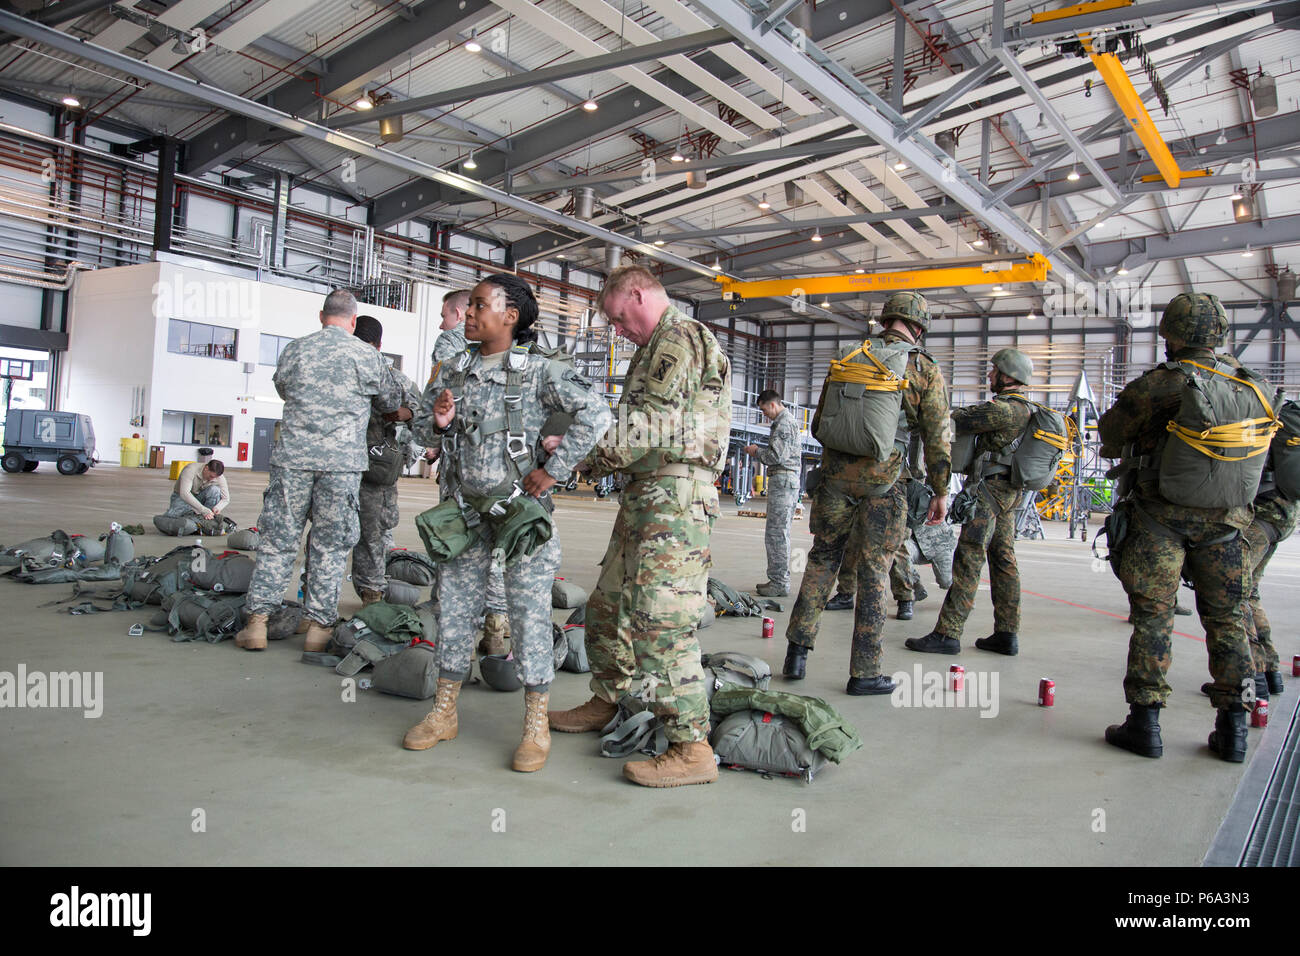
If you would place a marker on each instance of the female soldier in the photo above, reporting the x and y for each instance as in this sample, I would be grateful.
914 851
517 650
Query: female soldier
485 411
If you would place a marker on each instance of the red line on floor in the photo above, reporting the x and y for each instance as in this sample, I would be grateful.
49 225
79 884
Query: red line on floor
1095 610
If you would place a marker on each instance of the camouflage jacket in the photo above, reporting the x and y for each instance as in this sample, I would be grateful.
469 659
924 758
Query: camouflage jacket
1136 425
998 422
481 463
1278 512
449 344
925 403
784 450
378 430
327 380
676 403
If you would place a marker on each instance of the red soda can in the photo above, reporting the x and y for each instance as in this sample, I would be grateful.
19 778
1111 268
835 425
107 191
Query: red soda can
1046 692
1259 716
769 627
956 678
1295 666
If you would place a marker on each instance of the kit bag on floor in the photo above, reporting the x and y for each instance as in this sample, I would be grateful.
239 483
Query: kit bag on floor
249 539
575 659
731 601
283 621
634 729
826 730
732 668
194 615
228 574
411 672
175 526
119 549
92 549
53 551
149 581
567 594
399 592
766 742
412 567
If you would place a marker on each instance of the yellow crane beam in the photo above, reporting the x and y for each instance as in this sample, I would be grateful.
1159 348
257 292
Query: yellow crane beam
1033 269
1130 103
1097 6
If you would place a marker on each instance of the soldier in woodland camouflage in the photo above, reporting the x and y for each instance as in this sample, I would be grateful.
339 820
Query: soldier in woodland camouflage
1164 539
864 497
1275 520
378 492
485 413
327 380
992 530
670 437
782 457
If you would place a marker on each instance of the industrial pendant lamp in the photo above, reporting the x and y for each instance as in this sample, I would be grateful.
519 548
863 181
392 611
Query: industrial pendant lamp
469 163
763 203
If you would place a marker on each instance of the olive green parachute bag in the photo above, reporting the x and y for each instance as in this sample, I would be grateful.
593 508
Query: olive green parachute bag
862 400
1282 474
1214 454
827 732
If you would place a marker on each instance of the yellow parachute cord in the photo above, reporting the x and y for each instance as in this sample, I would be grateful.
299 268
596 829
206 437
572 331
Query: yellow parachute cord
1256 433
874 377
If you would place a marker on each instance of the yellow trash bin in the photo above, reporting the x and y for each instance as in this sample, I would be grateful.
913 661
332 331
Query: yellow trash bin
177 468
130 453
759 482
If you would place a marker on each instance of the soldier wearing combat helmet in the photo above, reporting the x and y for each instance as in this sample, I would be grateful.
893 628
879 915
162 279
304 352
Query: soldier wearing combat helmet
1165 537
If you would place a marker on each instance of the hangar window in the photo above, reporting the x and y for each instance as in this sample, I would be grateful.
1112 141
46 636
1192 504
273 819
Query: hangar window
270 347
195 428
205 341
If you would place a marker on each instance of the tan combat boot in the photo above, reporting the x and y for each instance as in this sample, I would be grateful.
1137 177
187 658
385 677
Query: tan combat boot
318 637
531 753
682 764
496 628
253 636
593 715
369 597
440 723
303 624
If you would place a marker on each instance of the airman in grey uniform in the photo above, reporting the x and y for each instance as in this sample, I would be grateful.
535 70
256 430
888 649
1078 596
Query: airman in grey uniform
782 457
327 380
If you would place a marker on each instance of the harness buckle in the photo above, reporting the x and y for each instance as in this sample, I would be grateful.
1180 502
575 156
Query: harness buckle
501 504
516 444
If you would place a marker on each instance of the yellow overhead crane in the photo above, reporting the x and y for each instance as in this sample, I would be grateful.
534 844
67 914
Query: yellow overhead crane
1121 87
1001 272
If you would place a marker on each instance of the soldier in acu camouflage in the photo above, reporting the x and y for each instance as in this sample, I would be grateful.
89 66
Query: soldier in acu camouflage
378 493
863 497
327 380
469 414
992 529
782 456
670 435
1205 544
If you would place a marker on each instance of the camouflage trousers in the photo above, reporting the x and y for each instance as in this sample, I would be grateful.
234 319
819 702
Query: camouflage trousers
650 596
178 508
496 585
329 500
846 516
782 495
462 596
993 532
1213 556
902 575
379 516
1260 544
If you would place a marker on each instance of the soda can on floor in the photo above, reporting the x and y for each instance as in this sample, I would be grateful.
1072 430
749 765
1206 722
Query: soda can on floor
1295 666
1259 716
769 627
956 678
1046 692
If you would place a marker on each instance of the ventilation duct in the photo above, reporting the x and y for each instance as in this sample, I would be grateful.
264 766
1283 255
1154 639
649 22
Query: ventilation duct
613 257
1263 93
390 129
584 203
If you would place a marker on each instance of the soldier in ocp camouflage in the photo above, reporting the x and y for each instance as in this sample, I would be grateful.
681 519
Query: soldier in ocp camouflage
782 457
327 380
864 497
1165 540
379 513
670 436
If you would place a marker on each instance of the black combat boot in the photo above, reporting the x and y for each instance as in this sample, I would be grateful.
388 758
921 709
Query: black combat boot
934 643
796 657
919 592
1274 680
1229 737
1000 642
841 602
904 610
863 686
1140 731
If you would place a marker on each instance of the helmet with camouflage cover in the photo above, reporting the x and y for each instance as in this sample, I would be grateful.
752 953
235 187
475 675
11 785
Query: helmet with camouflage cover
908 306
1196 318
1014 363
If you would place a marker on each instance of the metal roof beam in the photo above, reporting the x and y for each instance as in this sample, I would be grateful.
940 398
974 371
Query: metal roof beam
1210 241
1148 13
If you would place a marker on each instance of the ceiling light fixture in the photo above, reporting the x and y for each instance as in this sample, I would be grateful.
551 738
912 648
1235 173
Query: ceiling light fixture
677 156
1249 253
71 100
1243 210
817 234
1073 174
1031 315
659 242
561 255
1122 271
1222 140
717 264
472 44
900 164
979 241
859 271
365 101
826 303
763 203
469 163
1236 194
590 104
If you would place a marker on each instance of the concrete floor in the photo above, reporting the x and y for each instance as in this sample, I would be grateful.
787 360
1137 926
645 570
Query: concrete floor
285 772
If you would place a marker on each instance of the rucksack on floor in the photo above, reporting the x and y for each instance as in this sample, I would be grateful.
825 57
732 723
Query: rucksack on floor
412 567
575 659
194 615
175 526
731 601
1214 454
229 573
730 667
249 539
151 580
827 731
861 406
411 672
